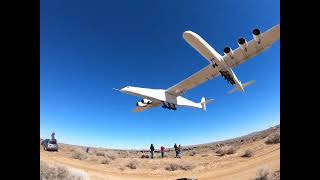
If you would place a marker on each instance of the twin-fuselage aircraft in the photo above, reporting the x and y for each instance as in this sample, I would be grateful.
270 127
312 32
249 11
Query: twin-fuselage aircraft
218 65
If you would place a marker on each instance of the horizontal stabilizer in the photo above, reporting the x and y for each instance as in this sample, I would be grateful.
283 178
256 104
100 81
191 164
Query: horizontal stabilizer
203 102
244 86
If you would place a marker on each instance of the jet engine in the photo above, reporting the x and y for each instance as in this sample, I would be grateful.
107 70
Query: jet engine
257 35
141 104
146 101
228 51
242 43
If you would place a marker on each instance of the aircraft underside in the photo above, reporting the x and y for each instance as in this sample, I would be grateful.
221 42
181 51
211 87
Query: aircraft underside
219 65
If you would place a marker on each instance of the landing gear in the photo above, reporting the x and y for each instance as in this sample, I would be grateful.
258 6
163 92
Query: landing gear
214 65
170 106
227 76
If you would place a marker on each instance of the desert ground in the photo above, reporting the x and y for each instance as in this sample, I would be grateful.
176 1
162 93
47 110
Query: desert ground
219 160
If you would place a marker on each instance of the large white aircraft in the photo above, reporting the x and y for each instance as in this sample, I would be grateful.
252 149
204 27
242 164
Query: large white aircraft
218 65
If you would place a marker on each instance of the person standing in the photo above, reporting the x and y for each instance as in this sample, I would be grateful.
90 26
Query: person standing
52 135
151 150
162 151
179 151
176 149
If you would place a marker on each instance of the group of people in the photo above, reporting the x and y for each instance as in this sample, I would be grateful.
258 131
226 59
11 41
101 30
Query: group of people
162 149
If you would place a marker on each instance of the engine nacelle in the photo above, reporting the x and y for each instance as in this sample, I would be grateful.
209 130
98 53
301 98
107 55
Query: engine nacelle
146 101
141 104
228 51
257 35
243 43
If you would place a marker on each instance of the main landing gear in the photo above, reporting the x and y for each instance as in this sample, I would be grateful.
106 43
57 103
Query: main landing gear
170 106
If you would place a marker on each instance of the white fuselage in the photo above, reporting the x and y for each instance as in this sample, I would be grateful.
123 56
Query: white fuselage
159 95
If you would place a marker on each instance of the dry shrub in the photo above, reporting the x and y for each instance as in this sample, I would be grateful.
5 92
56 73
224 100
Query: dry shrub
100 153
111 155
124 154
105 161
204 155
273 138
193 153
174 167
133 164
248 153
144 156
48 172
226 150
121 168
263 174
79 155
187 167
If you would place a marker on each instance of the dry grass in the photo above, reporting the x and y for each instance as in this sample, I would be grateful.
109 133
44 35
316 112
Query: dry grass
50 172
263 174
133 164
226 150
77 154
273 138
248 153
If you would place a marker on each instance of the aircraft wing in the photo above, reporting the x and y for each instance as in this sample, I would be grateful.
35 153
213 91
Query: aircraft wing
253 48
194 80
148 106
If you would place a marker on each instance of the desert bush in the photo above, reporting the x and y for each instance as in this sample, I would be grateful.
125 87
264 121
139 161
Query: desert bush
193 153
124 154
111 155
226 150
204 155
173 167
53 172
273 138
79 155
144 156
105 161
100 153
247 153
133 164
187 167
263 174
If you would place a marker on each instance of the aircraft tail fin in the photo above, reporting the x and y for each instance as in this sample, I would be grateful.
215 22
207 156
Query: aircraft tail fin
203 102
244 86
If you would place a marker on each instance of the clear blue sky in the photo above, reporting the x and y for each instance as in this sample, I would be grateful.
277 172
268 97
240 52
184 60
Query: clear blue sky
90 47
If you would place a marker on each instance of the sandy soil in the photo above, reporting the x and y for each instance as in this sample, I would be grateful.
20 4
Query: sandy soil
208 165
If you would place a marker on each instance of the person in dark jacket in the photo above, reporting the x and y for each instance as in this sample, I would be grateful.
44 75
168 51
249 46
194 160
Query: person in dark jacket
176 149
151 150
52 135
